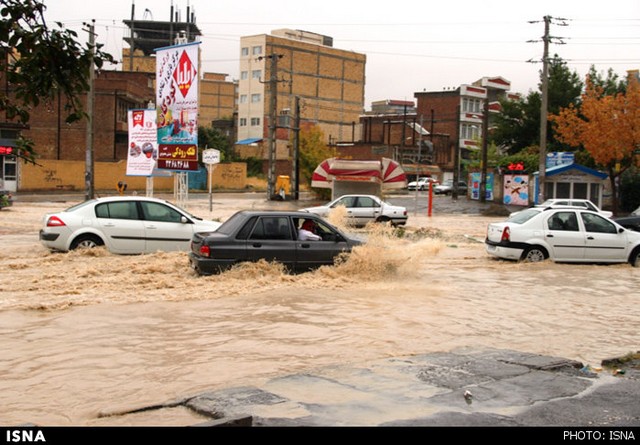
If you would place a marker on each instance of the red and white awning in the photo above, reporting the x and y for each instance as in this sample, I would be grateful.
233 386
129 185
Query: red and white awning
386 172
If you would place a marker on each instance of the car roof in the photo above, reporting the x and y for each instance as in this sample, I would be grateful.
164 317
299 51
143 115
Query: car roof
129 198
342 196
296 213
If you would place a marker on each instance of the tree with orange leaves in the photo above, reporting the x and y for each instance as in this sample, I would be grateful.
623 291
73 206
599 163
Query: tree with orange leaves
607 126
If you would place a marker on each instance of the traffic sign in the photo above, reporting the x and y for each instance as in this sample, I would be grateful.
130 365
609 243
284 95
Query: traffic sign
211 156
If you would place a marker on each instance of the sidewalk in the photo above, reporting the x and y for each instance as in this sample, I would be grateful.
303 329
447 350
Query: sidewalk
489 387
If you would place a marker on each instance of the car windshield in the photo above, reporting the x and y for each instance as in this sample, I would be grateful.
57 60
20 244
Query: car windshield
523 216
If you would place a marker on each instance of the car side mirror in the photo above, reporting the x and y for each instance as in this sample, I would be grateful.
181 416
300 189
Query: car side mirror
621 229
183 219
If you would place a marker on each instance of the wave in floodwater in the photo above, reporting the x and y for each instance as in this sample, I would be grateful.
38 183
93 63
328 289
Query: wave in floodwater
52 281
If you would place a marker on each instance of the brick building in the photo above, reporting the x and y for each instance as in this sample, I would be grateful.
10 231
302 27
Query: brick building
459 113
115 93
329 82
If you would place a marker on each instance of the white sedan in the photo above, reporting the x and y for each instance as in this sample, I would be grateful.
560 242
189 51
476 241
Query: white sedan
567 234
581 203
422 183
124 225
363 209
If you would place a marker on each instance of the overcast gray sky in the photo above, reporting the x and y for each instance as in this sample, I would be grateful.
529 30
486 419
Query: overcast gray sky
410 45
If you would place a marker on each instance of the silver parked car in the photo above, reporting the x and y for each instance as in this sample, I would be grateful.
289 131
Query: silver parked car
124 225
446 188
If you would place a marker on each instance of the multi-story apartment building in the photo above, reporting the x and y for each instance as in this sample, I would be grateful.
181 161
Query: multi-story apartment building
460 113
328 81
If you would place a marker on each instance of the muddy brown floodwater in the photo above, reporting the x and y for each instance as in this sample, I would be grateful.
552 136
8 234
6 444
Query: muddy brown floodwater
89 333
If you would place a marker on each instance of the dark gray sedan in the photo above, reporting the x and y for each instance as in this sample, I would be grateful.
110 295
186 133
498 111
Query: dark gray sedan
268 235
629 222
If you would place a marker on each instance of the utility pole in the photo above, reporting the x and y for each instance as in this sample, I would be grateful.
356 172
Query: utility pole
133 34
273 105
456 158
485 148
296 149
544 105
89 164
419 163
542 162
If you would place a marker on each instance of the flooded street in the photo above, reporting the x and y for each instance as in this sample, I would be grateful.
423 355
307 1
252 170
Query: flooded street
85 334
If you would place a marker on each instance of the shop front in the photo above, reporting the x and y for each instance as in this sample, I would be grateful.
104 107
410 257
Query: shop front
574 181
8 166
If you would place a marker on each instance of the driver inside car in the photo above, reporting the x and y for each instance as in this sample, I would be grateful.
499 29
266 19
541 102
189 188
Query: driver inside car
307 231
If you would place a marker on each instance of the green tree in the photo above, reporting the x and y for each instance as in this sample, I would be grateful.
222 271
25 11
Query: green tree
518 125
313 151
41 63
209 137
610 84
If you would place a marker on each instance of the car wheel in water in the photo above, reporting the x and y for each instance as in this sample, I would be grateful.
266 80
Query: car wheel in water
86 242
383 219
534 255
634 259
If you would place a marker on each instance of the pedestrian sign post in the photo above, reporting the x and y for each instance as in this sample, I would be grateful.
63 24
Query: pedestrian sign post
211 157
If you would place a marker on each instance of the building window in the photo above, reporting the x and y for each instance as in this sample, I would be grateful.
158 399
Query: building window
243 98
243 121
255 121
245 51
471 105
244 75
256 74
255 98
470 131
123 110
256 50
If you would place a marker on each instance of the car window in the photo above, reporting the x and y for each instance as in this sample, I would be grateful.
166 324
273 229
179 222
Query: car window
566 221
79 206
347 201
229 226
327 233
582 204
117 210
154 211
272 228
246 229
597 224
365 201
523 216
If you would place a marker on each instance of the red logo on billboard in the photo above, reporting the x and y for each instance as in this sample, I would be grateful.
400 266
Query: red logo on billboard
184 74
138 118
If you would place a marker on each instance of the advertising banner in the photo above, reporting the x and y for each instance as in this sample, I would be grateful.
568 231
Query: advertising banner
143 146
177 106
488 186
516 190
